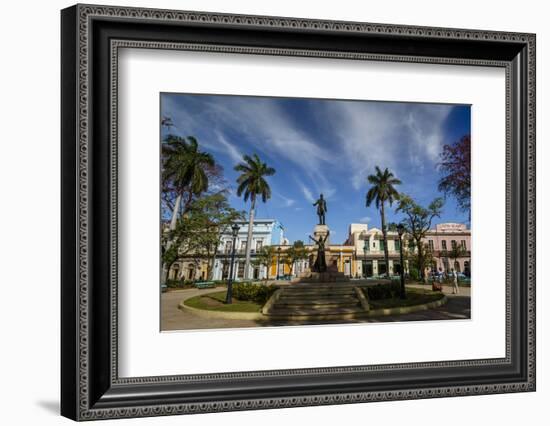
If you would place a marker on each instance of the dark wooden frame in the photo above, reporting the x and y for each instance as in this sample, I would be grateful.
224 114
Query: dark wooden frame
90 386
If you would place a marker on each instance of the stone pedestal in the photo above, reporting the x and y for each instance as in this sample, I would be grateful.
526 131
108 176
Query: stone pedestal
321 230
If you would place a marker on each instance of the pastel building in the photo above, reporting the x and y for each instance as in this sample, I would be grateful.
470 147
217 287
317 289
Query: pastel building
368 248
450 244
265 232
361 255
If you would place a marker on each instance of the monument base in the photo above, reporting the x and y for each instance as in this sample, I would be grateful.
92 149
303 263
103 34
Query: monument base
328 276
321 230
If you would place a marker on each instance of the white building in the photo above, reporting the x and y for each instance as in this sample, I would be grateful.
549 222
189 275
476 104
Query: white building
264 233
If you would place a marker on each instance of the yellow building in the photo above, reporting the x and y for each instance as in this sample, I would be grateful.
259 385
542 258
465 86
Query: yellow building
360 256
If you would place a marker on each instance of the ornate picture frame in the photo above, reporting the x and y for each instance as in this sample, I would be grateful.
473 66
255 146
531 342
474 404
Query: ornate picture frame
91 386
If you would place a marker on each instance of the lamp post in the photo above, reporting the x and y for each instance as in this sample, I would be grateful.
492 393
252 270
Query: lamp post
365 250
400 232
234 232
278 261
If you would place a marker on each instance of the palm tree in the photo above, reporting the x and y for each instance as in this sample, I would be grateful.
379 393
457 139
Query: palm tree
184 166
383 190
251 184
184 171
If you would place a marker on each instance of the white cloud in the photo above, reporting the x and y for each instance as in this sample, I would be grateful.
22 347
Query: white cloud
230 149
287 202
365 219
265 123
307 193
363 135
386 134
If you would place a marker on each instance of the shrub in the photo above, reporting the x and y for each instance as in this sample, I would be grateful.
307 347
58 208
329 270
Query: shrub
414 274
257 293
178 283
383 291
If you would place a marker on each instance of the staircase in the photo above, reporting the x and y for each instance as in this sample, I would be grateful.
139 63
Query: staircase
316 301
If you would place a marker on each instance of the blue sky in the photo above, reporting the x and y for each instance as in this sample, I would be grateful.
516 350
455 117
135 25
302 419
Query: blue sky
323 146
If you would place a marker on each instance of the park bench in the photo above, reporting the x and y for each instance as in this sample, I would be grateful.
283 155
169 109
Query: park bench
205 284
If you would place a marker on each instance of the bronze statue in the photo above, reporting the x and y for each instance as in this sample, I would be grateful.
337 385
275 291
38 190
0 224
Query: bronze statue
321 209
320 264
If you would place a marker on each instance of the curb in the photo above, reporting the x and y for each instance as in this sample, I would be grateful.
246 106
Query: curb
408 309
274 297
203 313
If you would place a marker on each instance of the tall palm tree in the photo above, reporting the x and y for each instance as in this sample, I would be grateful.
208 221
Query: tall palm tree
184 166
183 171
382 190
252 183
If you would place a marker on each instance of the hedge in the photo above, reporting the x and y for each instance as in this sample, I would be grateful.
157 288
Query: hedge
383 291
179 283
257 293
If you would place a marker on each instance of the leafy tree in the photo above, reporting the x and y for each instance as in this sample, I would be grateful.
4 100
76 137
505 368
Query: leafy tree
198 232
420 262
382 189
455 165
212 216
265 257
418 221
454 253
252 183
295 253
184 175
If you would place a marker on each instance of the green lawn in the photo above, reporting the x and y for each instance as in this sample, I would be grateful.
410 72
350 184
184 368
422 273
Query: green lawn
415 296
216 302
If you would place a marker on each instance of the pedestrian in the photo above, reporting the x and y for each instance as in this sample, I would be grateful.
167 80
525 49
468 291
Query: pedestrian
455 281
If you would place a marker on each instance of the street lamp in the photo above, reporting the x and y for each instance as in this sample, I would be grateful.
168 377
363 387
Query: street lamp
400 232
366 245
234 232
278 260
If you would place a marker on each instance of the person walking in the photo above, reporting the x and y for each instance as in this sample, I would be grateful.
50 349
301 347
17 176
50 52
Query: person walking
455 281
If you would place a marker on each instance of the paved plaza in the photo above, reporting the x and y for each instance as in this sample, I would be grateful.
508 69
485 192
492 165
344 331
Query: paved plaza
173 318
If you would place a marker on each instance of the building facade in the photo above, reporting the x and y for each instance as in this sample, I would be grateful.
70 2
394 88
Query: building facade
360 256
265 232
450 244
368 249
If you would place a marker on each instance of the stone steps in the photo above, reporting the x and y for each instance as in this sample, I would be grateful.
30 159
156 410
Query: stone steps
312 287
330 297
317 314
320 294
316 302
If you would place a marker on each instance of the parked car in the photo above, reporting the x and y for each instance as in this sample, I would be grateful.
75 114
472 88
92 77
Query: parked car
463 278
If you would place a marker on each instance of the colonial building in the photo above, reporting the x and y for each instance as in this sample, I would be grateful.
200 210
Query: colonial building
450 244
265 232
360 256
368 250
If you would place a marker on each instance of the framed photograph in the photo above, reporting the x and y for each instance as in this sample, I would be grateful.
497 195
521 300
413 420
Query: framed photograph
263 212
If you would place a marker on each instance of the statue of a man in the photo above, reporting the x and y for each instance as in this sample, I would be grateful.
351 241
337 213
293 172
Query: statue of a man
321 209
